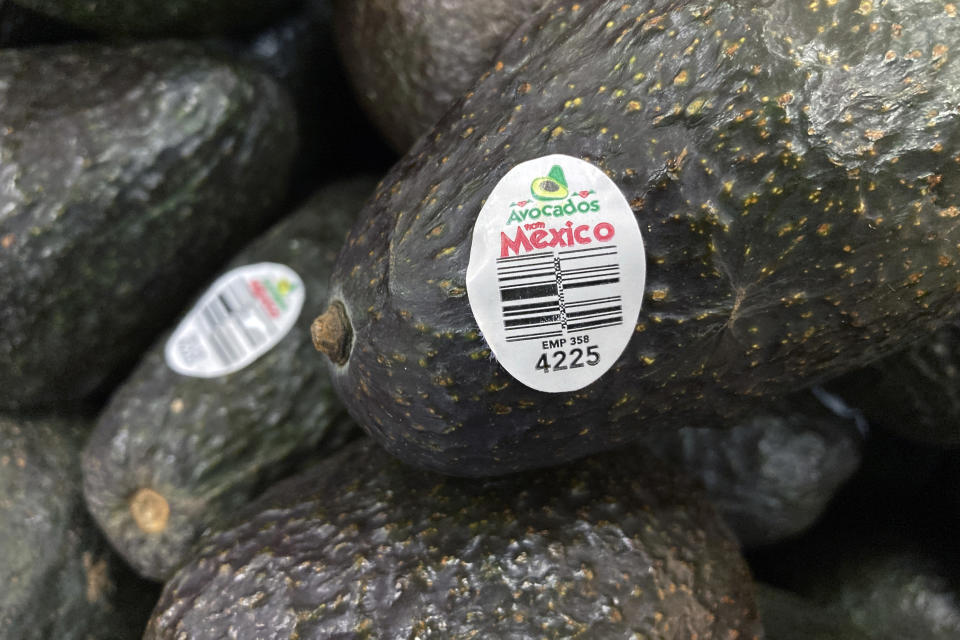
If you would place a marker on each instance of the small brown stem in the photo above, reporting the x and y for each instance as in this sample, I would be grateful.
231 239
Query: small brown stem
332 333
150 510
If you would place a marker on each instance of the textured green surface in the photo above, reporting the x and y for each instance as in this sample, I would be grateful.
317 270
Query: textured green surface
409 60
915 393
208 445
772 475
364 547
166 17
56 572
793 169
128 175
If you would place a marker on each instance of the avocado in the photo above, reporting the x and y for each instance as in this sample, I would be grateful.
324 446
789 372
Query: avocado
914 393
792 169
363 546
129 175
59 578
169 17
408 60
550 187
771 475
157 468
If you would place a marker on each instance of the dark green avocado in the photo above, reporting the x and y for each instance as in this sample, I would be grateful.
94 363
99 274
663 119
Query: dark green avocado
165 17
172 454
793 168
59 578
771 475
363 546
408 60
129 175
914 393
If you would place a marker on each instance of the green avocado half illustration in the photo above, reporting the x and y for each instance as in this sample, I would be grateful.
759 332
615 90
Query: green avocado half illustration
552 186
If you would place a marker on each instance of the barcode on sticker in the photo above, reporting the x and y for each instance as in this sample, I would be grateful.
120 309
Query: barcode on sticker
548 294
226 323
242 316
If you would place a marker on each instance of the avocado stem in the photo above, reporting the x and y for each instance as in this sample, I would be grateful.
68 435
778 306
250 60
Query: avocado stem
332 333
150 510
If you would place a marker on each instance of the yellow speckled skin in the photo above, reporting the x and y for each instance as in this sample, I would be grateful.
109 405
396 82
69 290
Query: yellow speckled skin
794 168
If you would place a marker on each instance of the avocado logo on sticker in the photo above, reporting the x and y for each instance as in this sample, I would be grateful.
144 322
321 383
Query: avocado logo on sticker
556 286
552 186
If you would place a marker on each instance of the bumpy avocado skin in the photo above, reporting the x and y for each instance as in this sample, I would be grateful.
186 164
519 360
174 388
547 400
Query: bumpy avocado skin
366 547
409 60
57 573
129 174
209 445
915 393
169 17
793 171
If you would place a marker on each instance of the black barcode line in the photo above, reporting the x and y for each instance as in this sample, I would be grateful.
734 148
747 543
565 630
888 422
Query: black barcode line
595 312
583 326
504 268
592 283
525 293
539 309
526 308
534 336
539 321
609 267
537 274
593 301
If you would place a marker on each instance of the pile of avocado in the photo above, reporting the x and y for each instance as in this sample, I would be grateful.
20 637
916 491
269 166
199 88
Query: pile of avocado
249 382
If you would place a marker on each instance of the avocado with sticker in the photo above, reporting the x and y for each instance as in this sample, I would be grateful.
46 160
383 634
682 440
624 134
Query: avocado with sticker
798 205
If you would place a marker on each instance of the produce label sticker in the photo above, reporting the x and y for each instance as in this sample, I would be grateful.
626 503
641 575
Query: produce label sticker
556 273
243 315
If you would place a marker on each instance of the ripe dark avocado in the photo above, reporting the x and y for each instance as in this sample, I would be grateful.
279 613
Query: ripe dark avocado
129 175
408 60
363 546
172 455
58 577
792 167
168 17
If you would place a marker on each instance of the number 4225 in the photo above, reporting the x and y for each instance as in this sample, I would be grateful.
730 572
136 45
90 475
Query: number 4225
575 355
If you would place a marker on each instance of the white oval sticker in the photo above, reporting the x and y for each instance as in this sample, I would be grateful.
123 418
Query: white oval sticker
244 314
556 273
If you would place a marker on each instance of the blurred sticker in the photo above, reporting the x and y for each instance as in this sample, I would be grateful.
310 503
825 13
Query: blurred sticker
243 315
